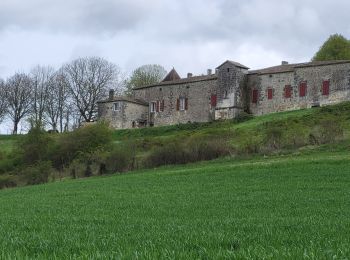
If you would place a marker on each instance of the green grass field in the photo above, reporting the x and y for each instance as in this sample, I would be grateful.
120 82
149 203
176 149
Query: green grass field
295 206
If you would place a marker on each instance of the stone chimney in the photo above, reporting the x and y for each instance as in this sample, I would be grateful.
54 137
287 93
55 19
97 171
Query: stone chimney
284 62
111 94
209 71
189 75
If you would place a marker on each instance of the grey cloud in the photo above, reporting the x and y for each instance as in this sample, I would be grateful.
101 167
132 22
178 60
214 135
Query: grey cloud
74 16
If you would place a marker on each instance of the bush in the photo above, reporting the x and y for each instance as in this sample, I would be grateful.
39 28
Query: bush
121 159
34 146
84 140
197 149
327 131
7 181
37 174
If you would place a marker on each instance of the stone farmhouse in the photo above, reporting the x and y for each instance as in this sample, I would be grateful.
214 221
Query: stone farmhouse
229 91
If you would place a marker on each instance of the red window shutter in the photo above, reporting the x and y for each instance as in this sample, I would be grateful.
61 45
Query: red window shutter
325 88
255 96
213 100
302 89
177 104
162 106
288 91
186 103
157 106
269 93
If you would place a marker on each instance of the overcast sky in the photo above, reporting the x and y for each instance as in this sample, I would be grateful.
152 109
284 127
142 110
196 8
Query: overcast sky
190 35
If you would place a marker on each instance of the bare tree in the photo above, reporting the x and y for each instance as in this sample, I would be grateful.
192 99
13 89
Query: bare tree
19 98
57 110
3 100
41 79
89 80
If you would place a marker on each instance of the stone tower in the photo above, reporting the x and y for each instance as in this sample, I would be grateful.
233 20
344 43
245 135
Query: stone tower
231 85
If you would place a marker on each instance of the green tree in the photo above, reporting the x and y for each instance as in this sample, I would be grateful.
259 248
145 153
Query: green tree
145 75
337 47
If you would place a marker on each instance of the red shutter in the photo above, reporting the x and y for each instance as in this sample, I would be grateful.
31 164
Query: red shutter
177 104
325 88
157 106
186 103
302 89
213 100
287 91
255 96
269 93
162 106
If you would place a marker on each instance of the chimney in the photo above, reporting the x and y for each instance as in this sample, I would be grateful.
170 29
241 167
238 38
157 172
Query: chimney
284 62
209 72
111 94
189 75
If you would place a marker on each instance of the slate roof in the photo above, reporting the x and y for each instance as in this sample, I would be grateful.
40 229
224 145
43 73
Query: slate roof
291 67
126 99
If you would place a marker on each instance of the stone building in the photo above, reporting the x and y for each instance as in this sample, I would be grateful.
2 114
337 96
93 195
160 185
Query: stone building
229 91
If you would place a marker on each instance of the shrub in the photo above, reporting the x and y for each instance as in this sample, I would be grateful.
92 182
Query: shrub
38 173
84 140
7 181
273 137
35 145
120 159
197 149
327 131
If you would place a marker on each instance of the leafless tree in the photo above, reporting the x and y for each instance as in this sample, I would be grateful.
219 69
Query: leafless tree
41 79
19 97
89 80
57 108
3 100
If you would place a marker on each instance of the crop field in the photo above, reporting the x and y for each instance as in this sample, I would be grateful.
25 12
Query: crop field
293 206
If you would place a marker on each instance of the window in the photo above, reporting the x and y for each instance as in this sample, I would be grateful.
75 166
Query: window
302 89
269 93
213 100
182 104
225 94
161 106
255 96
153 107
288 91
325 88
117 106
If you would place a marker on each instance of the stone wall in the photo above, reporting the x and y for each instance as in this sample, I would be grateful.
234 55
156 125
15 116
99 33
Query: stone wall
128 116
197 93
231 85
339 89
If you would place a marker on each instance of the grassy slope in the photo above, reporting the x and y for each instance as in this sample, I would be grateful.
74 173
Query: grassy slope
278 207
7 143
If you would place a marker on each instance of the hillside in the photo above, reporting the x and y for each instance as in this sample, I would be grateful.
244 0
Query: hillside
95 150
294 206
